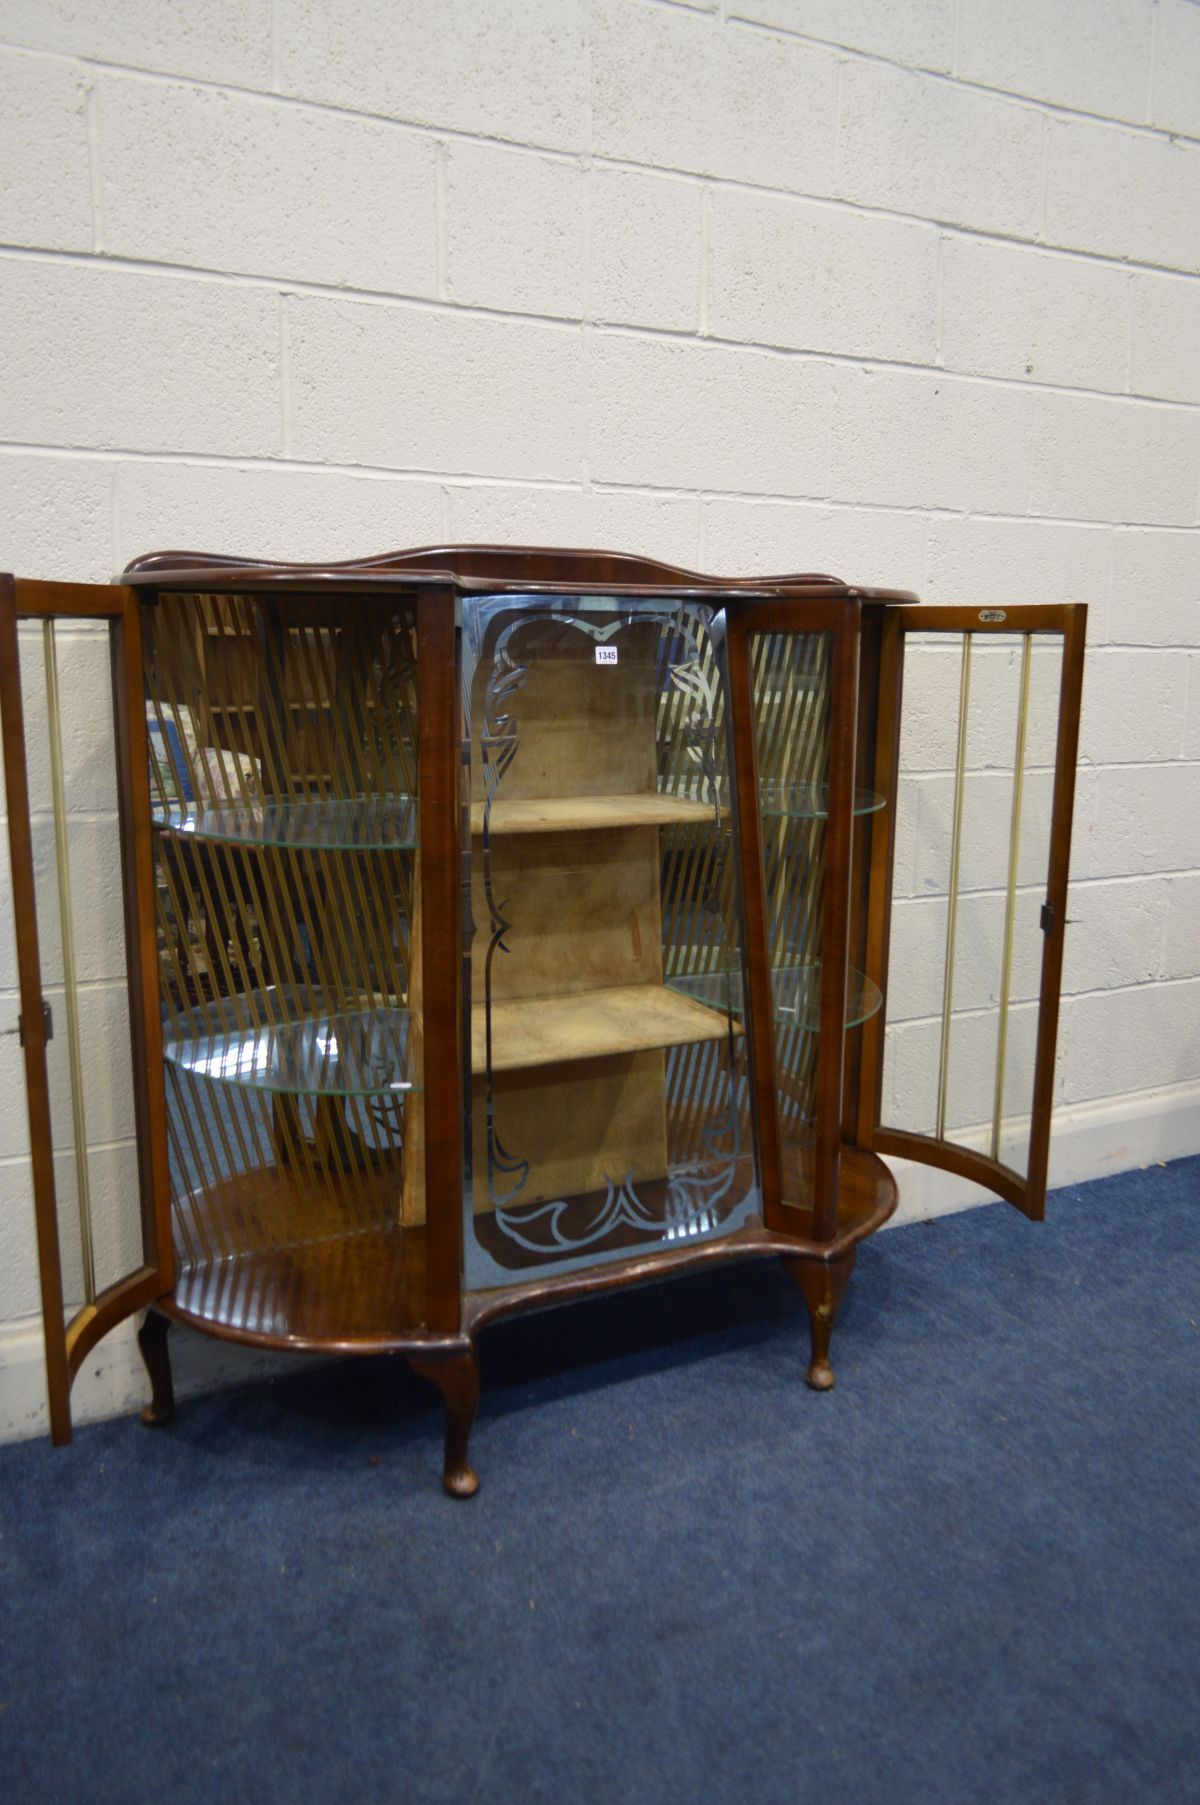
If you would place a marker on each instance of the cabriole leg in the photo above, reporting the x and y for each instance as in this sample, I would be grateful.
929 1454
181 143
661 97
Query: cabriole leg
152 1340
456 1376
821 1283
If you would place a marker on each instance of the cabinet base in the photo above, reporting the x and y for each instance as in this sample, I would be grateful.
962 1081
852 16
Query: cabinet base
341 1295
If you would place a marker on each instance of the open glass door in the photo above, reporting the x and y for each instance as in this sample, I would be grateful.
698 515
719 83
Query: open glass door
79 845
976 753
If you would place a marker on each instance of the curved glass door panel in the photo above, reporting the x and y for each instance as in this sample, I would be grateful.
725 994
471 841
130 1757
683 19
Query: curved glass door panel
283 781
608 1109
790 700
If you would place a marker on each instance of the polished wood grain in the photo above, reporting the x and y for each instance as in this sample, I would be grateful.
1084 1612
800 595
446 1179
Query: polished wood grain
442 809
952 1156
466 569
1062 812
33 1030
511 565
456 1375
889 690
37 600
152 1343
354 1293
822 1284
141 940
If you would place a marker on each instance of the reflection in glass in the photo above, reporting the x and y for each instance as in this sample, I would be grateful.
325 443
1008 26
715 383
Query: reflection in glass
338 1052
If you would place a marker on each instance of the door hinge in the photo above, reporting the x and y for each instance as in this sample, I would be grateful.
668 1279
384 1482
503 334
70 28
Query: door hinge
1048 918
47 1024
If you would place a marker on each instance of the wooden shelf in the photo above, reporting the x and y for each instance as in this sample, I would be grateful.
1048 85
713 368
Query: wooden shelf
348 1293
278 1257
569 814
590 1024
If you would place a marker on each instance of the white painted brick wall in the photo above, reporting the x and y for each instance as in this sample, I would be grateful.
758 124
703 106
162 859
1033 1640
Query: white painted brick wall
905 289
206 178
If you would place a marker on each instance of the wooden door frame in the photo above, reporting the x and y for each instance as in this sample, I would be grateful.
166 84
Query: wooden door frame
441 813
120 607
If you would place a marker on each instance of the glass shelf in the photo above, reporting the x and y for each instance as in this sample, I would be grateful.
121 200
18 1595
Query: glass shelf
797 801
810 801
377 824
796 990
264 1041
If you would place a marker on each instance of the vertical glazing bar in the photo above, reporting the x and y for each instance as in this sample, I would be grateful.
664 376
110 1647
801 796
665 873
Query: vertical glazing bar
1066 754
960 773
141 938
835 916
441 835
70 983
1010 903
748 840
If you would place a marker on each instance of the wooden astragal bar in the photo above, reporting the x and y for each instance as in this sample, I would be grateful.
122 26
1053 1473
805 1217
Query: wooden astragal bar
492 918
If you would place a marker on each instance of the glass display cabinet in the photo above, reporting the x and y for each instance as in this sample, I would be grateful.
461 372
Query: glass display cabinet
505 925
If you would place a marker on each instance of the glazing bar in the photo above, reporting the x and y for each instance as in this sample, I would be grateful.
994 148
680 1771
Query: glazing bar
70 986
960 775
1010 905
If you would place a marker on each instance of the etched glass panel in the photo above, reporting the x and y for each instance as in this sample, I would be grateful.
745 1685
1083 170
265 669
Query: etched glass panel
608 1106
790 689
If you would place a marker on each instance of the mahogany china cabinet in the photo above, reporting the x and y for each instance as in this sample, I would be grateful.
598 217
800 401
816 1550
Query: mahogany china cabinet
506 925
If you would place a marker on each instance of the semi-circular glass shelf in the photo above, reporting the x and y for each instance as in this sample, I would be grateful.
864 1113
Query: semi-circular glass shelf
797 801
796 991
377 824
810 801
331 1053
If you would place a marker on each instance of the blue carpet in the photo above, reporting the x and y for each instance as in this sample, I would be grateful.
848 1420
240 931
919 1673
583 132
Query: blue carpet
970 1573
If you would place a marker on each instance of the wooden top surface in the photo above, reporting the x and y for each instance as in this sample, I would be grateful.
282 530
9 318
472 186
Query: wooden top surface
483 569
